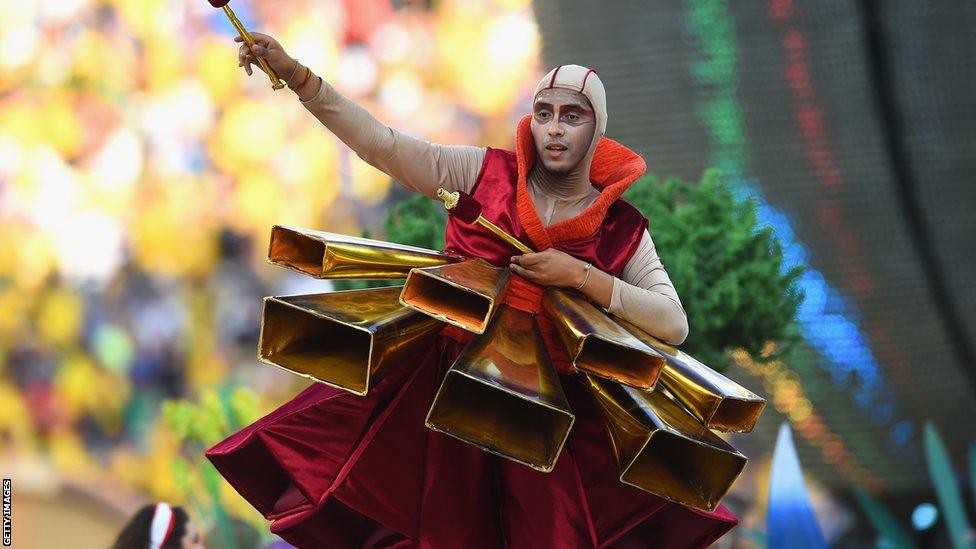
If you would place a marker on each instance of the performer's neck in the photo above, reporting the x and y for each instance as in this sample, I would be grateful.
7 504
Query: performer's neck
574 184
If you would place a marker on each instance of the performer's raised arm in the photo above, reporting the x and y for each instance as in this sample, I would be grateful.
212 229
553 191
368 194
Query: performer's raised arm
418 165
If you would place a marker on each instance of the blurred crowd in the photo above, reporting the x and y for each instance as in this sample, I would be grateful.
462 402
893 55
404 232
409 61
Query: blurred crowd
141 171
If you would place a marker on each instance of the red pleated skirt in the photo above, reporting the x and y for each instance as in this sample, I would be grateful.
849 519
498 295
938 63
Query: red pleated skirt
331 469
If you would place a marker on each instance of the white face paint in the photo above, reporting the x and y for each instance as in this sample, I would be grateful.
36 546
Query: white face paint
563 126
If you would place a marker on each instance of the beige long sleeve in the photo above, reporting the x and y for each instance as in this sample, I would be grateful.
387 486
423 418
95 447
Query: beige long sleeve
645 296
418 165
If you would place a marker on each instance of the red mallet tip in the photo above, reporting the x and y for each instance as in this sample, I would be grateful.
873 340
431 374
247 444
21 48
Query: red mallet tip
218 3
468 208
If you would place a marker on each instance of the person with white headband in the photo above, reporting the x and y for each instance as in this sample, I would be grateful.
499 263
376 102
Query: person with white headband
331 469
159 526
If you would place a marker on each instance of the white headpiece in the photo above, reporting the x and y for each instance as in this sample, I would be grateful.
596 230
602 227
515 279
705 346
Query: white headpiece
582 80
162 525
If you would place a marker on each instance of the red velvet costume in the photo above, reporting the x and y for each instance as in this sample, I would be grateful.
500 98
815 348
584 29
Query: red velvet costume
332 469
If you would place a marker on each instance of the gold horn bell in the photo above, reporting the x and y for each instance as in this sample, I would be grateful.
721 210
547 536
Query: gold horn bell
599 346
337 256
503 395
664 450
464 294
714 399
345 339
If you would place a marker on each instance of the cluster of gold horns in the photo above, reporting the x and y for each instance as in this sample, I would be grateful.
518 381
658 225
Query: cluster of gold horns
660 405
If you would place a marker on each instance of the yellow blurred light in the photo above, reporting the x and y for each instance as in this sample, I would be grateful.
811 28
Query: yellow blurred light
60 126
35 259
19 120
145 17
217 70
174 231
513 4
67 451
15 304
800 410
15 417
313 40
257 203
162 61
248 135
59 318
369 185
488 66
75 380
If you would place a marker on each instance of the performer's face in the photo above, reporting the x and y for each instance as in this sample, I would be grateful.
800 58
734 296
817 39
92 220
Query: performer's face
562 126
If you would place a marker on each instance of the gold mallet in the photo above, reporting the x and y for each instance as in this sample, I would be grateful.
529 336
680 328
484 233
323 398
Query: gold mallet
276 82
466 208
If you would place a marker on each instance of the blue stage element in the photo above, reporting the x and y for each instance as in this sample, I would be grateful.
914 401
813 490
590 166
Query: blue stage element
790 521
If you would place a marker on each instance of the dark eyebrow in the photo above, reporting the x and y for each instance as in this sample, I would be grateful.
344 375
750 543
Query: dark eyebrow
576 105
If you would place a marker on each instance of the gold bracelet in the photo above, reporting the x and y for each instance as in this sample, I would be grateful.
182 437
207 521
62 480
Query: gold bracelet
308 74
293 71
586 275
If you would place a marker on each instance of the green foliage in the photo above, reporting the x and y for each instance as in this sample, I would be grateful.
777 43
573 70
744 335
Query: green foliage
885 524
417 221
946 490
198 426
725 267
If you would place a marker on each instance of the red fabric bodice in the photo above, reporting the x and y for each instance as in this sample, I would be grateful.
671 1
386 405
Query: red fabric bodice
606 234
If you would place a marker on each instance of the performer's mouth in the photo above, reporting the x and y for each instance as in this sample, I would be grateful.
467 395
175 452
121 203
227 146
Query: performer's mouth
555 150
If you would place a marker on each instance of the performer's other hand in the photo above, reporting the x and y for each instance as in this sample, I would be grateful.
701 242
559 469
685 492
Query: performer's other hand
549 267
269 49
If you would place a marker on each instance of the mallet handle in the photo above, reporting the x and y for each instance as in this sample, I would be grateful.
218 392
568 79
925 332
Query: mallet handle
276 82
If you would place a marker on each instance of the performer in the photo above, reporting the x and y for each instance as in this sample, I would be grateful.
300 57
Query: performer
159 526
332 469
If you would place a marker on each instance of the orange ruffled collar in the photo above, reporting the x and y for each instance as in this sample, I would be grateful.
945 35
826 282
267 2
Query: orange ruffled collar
614 169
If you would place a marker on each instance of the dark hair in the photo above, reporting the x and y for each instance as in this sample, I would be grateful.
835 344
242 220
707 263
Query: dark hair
135 535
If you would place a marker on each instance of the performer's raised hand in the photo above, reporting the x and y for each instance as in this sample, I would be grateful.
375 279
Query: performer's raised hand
268 48
549 267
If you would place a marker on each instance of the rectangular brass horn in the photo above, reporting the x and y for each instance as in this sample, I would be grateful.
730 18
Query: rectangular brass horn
336 256
464 294
664 450
714 399
503 395
344 339
598 345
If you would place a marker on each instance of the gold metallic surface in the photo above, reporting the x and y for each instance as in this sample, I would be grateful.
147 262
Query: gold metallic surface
503 395
464 294
344 339
716 400
275 81
598 345
451 200
497 231
330 255
662 449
